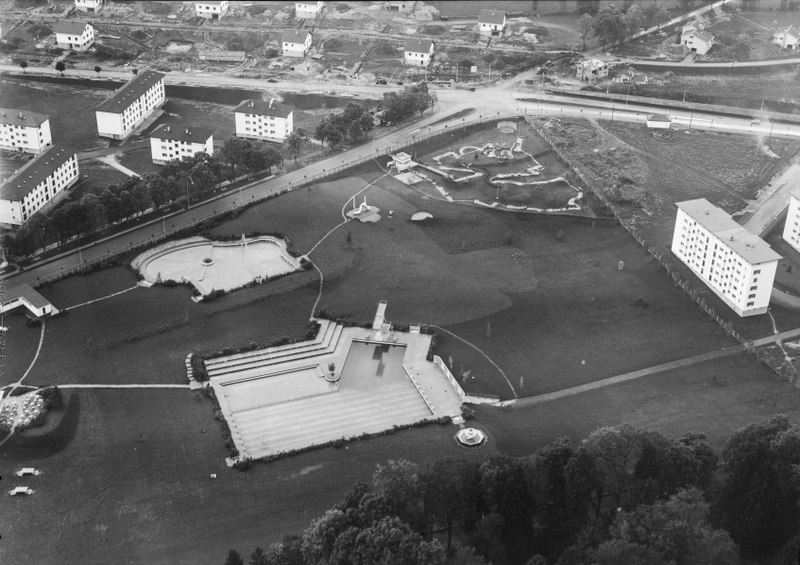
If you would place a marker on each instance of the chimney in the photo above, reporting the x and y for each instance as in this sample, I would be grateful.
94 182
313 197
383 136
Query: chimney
166 128
271 100
187 131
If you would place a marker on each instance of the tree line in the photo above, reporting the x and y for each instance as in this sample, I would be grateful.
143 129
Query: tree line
624 495
612 25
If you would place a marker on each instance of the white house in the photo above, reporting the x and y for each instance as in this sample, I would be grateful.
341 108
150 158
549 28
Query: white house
791 229
89 5
25 296
38 182
492 23
402 6
658 121
130 105
592 70
308 10
21 130
295 42
697 40
736 265
168 142
78 36
788 38
257 119
418 52
210 10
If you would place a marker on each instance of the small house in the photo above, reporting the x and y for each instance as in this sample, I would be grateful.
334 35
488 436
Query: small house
492 23
697 40
211 10
295 42
592 70
418 52
307 10
402 6
788 38
78 36
659 121
88 5
402 161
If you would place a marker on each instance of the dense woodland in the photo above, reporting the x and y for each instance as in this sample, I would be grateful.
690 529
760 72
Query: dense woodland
622 496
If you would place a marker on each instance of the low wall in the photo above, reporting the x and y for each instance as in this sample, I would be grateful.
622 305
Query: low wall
450 378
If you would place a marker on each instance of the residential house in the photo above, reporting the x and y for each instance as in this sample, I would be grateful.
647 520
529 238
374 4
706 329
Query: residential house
78 36
21 130
89 5
736 265
211 10
37 183
492 23
788 38
695 38
592 70
418 52
402 6
131 105
659 121
295 42
257 119
307 10
168 142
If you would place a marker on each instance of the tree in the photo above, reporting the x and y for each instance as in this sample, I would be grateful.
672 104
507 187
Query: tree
288 551
235 152
234 558
609 26
60 67
258 557
355 131
590 7
389 540
450 489
585 28
661 16
334 136
135 71
112 206
649 12
23 64
634 19
158 188
97 69
93 208
293 145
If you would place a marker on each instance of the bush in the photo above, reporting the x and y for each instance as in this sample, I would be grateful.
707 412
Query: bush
52 398
434 30
256 9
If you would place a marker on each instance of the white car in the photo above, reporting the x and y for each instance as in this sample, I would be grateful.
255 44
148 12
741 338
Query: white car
27 472
20 491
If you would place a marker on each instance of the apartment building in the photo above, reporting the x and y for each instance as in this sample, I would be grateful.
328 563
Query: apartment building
257 119
168 142
21 130
131 105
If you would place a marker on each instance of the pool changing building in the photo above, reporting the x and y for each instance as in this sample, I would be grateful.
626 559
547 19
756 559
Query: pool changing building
737 265
131 105
37 183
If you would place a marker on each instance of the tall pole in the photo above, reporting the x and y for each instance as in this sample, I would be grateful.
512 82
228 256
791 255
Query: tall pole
164 224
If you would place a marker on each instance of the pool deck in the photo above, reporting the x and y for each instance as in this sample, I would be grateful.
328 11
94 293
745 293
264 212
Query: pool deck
270 428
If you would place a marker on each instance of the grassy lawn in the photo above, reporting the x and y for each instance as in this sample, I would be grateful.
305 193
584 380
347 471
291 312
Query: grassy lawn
138 158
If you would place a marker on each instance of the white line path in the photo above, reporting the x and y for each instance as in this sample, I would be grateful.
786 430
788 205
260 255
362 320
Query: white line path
112 162
151 386
101 298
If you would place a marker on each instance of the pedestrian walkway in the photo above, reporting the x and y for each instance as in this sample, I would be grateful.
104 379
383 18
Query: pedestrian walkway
150 386
111 160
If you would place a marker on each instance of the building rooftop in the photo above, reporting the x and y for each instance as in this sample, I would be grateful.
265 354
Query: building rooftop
21 117
659 118
294 36
703 35
264 108
182 133
130 92
418 45
70 27
492 17
27 292
749 246
210 3
34 172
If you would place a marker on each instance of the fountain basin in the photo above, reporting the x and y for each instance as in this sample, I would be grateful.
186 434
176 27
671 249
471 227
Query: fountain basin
471 437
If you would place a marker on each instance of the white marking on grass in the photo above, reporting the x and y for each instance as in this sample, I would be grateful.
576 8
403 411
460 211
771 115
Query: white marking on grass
102 298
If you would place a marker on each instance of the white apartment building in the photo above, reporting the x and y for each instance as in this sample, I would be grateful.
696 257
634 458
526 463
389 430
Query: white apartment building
78 36
89 5
791 229
257 119
418 52
492 23
308 10
168 142
736 265
295 42
130 105
211 10
21 130
36 184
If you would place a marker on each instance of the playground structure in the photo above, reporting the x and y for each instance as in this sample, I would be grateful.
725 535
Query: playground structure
280 399
212 265
364 212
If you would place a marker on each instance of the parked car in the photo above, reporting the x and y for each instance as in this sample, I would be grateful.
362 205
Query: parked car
272 80
19 491
380 81
27 472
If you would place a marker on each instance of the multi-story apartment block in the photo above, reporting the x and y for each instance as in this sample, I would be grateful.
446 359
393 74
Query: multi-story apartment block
131 105
89 5
258 119
78 36
168 142
492 23
211 10
37 183
21 130
791 229
295 42
736 265
308 10
418 52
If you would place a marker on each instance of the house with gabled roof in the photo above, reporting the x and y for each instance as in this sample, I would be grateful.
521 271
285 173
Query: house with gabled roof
418 52
89 5
210 10
78 36
492 23
295 42
789 38
699 41
307 10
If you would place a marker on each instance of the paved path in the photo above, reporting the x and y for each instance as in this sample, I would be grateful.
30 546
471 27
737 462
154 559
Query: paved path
111 160
153 386
670 365
775 202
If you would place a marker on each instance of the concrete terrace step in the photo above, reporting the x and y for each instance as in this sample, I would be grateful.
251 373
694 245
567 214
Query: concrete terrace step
275 359
323 335
320 402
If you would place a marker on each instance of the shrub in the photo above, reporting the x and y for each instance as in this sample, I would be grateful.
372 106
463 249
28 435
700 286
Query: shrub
52 398
256 9
434 30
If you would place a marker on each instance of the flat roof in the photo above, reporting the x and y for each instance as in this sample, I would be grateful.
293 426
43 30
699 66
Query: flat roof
70 27
27 292
418 45
294 36
15 117
130 92
34 172
749 246
182 133
492 17
263 108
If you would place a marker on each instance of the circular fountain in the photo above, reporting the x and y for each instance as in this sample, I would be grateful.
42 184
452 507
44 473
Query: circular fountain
207 261
471 437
